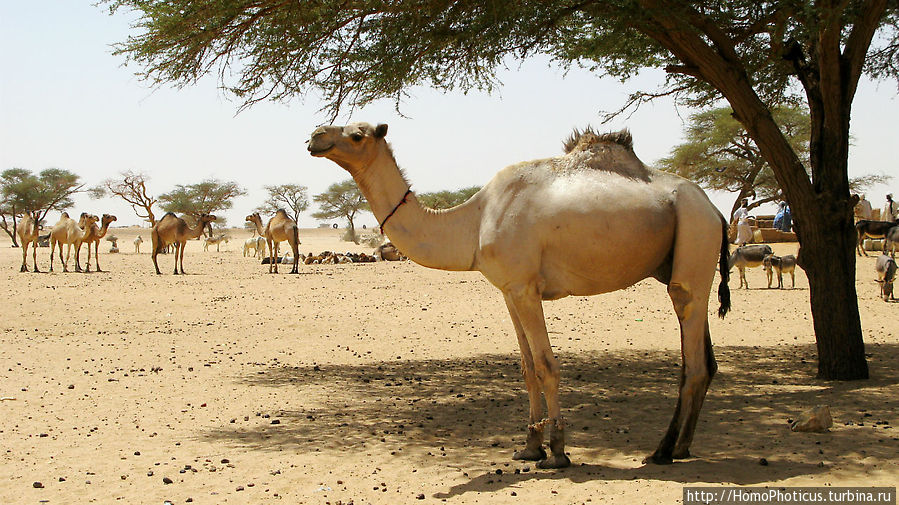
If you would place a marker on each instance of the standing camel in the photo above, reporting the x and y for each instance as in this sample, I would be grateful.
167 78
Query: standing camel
171 229
279 228
549 228
92 235
28 230
70 232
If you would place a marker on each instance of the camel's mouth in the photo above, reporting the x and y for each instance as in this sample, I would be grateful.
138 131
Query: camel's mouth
314 151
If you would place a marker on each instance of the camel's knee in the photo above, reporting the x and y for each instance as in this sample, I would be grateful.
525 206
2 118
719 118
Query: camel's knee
682 298
546 368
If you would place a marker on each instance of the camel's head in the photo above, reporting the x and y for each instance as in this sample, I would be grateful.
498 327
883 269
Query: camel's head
207 218
254 218
88 220
108 218
353 146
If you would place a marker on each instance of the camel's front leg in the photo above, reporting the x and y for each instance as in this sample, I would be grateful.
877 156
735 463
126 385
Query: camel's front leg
97 256
181 256
528 305
176 248
34 256
25 258
87 267
533 450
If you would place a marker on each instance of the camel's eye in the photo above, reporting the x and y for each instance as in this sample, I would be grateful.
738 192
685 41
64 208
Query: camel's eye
356 136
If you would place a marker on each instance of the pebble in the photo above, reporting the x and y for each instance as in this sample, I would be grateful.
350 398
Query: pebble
166 480
421 496
37 485
763 462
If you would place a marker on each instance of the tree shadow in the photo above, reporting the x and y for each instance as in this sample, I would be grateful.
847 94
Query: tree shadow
469 412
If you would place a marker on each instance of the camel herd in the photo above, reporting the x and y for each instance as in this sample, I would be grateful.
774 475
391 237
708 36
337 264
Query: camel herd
172 233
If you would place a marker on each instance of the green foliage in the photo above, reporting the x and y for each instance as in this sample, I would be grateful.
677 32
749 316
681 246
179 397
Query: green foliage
355 53
207 197
290 197
341 200
720 154
446 199
21 191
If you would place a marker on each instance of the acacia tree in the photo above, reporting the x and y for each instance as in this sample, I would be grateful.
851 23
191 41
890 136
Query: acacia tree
207 197
447 198
719 154
341 200
132 187
754 54
291 197
23 192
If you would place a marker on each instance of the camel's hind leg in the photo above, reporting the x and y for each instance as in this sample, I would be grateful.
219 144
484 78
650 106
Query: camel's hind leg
693 270
533 450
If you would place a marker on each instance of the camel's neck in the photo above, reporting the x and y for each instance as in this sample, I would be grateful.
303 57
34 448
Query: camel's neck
259 228
195 232
443 239
103 230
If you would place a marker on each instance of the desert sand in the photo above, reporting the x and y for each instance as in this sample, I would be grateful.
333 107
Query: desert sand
391 383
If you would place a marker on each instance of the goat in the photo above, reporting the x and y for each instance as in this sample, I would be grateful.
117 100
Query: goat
748 256
256 244
137 242
780 264
886 274
217 240
891 241
871 229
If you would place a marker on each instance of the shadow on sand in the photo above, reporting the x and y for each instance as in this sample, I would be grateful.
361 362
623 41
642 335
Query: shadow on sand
471 413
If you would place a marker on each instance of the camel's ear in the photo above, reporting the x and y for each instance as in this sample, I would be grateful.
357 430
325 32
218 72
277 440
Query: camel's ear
381 131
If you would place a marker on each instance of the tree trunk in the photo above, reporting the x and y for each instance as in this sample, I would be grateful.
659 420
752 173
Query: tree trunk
834 302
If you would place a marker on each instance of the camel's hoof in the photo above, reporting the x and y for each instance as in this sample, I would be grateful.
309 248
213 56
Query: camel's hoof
528 454
555 461
685 454
658 459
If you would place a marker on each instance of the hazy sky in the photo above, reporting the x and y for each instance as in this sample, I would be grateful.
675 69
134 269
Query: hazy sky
67 102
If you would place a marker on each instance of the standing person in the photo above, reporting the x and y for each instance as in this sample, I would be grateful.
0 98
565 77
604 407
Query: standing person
787 224
779 217
890 209
863 209
744 231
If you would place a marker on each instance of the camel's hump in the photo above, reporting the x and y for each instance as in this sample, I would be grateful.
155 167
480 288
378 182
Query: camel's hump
583 140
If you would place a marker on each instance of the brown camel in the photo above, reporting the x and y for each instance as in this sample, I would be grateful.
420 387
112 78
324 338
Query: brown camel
171 229
549 228
279 228
28 230
70 232
93 235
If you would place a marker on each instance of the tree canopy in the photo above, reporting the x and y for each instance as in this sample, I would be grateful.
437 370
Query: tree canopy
753 54
207 197
719 154
290 197
341 200
447 198
22 191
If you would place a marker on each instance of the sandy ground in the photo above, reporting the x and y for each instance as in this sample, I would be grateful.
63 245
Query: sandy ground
391 383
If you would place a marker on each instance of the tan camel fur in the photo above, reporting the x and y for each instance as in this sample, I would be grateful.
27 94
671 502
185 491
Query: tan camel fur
279 228
28 230
549 228
93 235
174 230
70 232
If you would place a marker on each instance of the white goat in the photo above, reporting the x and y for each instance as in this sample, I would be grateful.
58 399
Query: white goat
256 244
137 242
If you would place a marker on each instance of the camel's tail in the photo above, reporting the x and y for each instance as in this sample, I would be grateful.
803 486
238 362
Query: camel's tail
724 269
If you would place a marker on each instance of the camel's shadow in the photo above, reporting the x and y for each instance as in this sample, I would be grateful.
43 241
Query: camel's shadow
471 413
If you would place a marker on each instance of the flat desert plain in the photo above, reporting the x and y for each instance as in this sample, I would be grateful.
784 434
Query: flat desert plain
390 383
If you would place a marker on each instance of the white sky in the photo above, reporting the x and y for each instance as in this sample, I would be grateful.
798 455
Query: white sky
66 102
